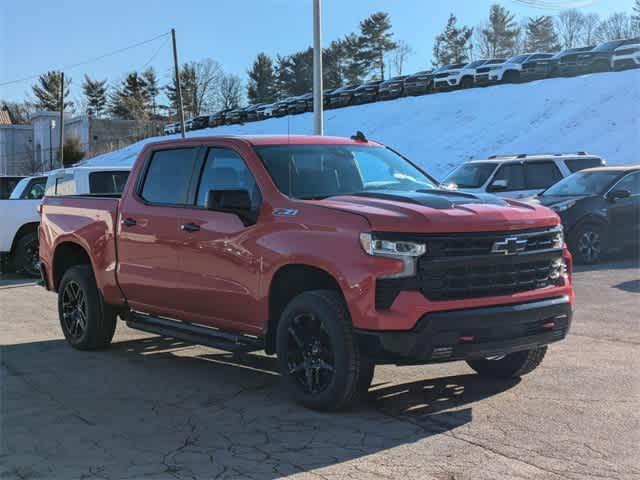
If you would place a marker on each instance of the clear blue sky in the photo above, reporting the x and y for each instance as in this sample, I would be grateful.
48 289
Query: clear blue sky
38 35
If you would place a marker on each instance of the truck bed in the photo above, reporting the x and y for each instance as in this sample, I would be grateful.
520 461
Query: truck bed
82 221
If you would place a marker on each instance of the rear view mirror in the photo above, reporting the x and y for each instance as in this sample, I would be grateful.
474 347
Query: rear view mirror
499 185
616 194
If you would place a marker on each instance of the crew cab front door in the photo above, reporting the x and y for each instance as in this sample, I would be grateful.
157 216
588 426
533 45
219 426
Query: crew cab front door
624 213
219 268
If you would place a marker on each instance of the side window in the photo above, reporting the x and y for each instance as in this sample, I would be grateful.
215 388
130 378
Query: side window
542 175
168 176
576 164
108 182
35 189
65 185
513 174
630 183
224 169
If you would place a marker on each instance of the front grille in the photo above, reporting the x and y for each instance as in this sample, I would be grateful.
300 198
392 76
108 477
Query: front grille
484 280
483 70
441 75
464 266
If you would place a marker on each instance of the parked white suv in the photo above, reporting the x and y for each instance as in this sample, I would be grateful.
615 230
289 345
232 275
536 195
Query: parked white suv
518 176
626 56
509 71
19 216
459 75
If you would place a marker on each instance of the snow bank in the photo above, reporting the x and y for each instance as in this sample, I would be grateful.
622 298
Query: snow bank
599 113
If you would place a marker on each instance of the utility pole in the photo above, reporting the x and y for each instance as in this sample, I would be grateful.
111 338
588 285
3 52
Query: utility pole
61 147
318 127
178 88
52 125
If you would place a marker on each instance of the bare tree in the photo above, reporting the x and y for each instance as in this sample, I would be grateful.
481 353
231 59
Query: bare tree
399 56
229 91
615 26
589 27
208 74
569 25
481 44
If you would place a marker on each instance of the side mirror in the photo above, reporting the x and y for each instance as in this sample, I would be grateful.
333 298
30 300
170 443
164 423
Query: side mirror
616 194
499 185
231 201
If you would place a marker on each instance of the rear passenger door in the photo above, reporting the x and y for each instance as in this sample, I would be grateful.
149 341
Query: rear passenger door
149 236
508 181
539 176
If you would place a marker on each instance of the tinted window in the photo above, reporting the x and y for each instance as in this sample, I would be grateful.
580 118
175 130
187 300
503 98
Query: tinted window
169 176
630 183
107 182
542 175
606 47
225 170
576 164
517 59
513 174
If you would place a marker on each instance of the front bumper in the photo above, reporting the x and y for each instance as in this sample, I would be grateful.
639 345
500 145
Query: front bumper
471 333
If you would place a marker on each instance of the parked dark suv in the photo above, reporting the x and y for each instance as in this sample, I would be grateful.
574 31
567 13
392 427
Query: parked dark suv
392 88
367 92
595 60
419 83
599 209
566 60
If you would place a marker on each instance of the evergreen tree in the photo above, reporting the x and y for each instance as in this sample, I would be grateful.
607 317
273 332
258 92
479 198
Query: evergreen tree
541 35
452 45
130 101
301 72
375 41
95 92
501 32
283 76
47 91
333 64
151 89
355 66
261 88
189 89
636 14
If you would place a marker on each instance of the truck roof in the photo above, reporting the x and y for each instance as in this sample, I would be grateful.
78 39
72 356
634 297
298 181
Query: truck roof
264 140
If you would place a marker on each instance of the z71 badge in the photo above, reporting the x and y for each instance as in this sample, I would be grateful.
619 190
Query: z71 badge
285 212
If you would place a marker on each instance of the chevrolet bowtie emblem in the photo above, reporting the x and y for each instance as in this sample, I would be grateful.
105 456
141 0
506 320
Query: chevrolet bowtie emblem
509 246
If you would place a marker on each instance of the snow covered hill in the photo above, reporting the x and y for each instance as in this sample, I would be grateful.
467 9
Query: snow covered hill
599 113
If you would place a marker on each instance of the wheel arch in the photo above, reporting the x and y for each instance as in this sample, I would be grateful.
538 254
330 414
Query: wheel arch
288 282
31 227
66 255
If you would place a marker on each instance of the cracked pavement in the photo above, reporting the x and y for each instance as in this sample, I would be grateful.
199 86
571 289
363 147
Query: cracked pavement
156 408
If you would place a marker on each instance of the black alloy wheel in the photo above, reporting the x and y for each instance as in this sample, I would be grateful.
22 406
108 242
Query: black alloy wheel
74 310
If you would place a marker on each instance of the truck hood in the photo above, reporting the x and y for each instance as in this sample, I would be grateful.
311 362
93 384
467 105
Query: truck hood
441 211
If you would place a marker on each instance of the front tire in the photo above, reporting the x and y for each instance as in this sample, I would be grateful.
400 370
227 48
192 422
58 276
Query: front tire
513 365
27 256
87 323
588 244
317 353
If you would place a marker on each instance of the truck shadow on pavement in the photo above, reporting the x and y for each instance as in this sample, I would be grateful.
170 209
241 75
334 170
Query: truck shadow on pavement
158 406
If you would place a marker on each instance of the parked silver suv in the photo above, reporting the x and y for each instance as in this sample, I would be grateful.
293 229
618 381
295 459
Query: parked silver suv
518 175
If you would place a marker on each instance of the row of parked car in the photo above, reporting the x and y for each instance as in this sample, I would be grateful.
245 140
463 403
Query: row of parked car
608 56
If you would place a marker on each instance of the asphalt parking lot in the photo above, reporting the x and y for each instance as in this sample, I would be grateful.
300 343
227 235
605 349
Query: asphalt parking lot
156 408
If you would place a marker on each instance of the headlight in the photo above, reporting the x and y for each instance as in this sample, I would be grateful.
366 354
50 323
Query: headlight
558 239
563 206
407 252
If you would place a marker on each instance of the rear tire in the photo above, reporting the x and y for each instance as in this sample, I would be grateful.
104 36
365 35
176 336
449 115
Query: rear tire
87 323
317 353
588 243
27 257
513 365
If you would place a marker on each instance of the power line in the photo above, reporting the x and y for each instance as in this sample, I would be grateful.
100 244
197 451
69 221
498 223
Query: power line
94 59
556 4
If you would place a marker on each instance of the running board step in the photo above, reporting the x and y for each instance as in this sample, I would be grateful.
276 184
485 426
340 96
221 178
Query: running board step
196 334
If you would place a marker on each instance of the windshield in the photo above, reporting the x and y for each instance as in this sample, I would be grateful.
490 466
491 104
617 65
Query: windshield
605 47
320 171
470 175
518 59
583 183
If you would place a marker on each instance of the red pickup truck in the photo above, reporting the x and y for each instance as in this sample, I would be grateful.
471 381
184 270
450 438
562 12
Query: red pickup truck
336 254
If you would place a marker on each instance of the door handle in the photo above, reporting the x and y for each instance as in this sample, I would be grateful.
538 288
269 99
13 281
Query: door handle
128 222
189 227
